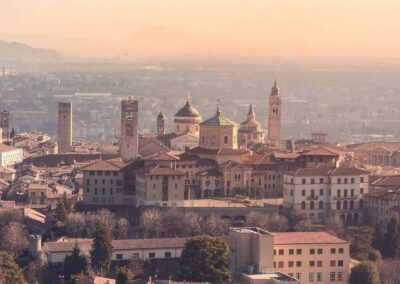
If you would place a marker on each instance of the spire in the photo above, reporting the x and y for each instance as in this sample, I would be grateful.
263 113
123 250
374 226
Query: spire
218 113
251 113
188 97
275 89
160 116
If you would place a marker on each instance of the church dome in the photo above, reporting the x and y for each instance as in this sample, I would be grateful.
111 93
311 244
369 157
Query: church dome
188 113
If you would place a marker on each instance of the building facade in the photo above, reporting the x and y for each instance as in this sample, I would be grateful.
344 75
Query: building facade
324 191
10 156
129 129
64 127
5 124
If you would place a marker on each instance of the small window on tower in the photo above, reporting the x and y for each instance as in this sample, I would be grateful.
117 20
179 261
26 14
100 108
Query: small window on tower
226 139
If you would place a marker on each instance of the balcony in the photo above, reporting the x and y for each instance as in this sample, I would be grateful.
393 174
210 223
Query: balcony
345 197
312 197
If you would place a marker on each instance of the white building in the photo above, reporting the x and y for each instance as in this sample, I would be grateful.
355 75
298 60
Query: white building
10 156
322 191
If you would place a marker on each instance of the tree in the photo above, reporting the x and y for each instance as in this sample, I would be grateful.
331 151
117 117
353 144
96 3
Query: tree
64 207
277 223
9 270
391 244
100 255
76 225
389 270
121 229
364 273
215 226
334 225
361 240
375 256
75 263
14 239
378 239
191 224
124 275
151 221
204 259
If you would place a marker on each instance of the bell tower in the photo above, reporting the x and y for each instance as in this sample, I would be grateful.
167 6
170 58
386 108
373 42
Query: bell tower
160 124
129 129
274 116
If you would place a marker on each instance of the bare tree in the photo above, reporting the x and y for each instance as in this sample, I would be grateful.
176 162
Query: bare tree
191 223
121 229
14 238
256 219
303 226
9 215
76 225
277 223
151 220
173 223
106 217
215 226
389 271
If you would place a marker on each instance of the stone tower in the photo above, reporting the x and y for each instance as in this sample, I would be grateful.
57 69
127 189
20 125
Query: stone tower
64 127
274 116
160 124
129 129
5 124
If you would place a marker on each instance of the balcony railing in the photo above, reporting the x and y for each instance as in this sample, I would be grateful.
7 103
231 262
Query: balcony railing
345 197
311 197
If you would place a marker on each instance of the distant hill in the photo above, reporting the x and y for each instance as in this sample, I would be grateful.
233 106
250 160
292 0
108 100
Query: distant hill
20 51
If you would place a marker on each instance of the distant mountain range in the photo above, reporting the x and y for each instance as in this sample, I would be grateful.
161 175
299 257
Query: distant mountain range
21 51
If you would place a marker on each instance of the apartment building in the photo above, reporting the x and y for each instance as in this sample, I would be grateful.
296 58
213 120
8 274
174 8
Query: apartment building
321 191
382 205
160 186
308 257
312 256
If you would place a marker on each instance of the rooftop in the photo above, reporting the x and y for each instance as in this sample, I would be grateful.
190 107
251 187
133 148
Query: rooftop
218 120
292 238
106 165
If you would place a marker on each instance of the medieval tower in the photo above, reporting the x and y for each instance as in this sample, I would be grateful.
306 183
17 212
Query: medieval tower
274 116
5 124
160 124
64 127
129 129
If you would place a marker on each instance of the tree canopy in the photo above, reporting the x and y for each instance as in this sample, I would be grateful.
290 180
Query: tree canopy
100 255
204 259
9 270
75 263
364 273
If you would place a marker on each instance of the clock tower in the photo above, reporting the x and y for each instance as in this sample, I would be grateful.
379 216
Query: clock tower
129 129
274 116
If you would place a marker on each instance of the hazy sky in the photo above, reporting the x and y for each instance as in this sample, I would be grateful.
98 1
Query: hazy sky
269 28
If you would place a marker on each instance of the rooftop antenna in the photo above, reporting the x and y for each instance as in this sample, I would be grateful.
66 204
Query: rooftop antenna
188 97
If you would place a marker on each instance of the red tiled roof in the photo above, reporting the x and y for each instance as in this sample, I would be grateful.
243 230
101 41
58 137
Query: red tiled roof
389 194
162 171
286 155
229 151
106 165
291 238
161 157
344 171
322 151
323 170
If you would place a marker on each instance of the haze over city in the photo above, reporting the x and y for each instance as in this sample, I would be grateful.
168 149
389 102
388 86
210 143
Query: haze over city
308 30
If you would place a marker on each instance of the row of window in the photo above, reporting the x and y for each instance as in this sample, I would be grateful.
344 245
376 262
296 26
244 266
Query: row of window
103 200
100 173
120 256
321 180
312 263
103 181
103 191
311 251
317 276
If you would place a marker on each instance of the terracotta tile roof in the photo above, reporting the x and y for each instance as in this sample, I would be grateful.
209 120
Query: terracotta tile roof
161 157
210 172
232 164
322 151
388 194
292 238
162 171
68 244
6 148
323 170
7 170
106 165
286 155
371 145
345 171
201 150
387 181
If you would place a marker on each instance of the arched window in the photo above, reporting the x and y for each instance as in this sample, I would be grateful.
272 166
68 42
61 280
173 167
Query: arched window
312 205
345 193
303 205
351 204
345 205
338 205
321 205
312 216
361 203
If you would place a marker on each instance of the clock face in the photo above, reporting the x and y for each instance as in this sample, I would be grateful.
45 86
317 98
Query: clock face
129 113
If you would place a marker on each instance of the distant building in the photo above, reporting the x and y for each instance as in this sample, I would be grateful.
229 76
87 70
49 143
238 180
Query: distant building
324 191
10 156
5 124
274 116
250 131
382 205
186 128
64 127
129 129
218 132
